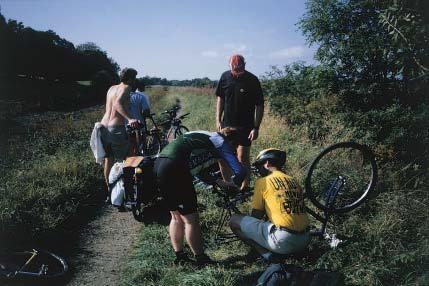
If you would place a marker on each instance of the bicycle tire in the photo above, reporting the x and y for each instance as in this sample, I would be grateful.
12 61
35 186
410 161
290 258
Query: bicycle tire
328 166
134 197
180 130
56 266
137 210
152 145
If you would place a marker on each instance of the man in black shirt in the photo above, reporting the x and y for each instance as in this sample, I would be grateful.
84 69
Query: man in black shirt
240 104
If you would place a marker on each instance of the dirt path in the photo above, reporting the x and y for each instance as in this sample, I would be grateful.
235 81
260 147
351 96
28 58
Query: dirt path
104 244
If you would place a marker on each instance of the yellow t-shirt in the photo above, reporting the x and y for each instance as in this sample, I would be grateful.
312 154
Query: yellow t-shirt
282 199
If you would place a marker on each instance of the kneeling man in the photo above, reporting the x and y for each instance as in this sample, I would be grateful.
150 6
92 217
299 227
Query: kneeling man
280 198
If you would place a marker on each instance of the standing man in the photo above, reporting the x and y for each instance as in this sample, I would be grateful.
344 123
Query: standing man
280 198
240 104
113 135
139 108
139 103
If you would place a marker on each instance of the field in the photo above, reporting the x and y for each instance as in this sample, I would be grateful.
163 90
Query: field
49 174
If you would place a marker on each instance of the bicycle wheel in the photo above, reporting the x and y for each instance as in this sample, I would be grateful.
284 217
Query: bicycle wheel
137 206
44 265
341 177
152 145
180 130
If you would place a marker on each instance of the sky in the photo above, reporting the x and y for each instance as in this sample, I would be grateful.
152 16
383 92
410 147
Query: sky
175 39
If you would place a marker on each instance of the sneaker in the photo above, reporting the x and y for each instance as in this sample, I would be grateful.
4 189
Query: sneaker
252 256
183 259
203 260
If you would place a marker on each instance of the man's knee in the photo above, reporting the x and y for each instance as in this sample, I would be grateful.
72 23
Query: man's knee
190 219
176 218
243 154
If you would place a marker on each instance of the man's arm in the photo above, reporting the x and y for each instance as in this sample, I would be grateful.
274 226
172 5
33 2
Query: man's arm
259 114
219 111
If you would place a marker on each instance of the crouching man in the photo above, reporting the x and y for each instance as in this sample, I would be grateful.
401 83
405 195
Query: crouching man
280 198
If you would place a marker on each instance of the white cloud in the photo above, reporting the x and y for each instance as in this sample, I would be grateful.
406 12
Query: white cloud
209 54
288 53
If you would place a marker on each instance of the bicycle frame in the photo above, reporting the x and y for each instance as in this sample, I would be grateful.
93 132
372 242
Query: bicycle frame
175 124
21 270
330 195
42 270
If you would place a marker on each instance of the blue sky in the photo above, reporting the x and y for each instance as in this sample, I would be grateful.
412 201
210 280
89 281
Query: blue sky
175 39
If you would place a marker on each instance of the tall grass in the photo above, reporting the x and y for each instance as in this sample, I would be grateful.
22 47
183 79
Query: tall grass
385 240
47 171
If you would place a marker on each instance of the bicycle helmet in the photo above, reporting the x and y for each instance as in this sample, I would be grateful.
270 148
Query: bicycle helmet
276 156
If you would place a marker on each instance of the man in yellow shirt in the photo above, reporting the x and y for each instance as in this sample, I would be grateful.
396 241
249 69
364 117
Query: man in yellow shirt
280 198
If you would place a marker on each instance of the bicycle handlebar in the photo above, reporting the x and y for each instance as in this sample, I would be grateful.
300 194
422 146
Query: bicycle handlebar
184 115
130 129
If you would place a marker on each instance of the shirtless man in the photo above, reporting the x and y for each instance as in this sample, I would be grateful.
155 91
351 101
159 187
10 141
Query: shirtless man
114 135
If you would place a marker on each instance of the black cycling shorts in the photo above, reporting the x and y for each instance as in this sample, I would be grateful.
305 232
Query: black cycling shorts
176 185
243 136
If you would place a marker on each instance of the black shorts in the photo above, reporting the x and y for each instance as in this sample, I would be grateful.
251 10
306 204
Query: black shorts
176 185
243 136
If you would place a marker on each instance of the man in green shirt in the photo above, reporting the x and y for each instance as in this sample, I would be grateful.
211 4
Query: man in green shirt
176 186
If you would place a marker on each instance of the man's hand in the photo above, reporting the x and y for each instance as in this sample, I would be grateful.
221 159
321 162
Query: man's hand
253 135
218 125
133 123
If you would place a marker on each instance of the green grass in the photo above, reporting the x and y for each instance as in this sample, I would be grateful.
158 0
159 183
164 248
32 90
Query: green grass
386 239
48 170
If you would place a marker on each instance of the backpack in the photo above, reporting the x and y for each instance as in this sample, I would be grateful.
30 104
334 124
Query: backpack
321 277
279 275
290 275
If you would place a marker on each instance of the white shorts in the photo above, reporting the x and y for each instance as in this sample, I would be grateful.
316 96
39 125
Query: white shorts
266 235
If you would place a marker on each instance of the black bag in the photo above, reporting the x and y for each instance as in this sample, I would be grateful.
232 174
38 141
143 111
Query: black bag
320 278
279 275
290 275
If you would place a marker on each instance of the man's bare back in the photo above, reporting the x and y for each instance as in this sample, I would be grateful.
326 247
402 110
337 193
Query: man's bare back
117 106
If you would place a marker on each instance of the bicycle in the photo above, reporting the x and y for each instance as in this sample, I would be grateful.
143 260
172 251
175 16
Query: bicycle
145 142
139 184
36 264
173 127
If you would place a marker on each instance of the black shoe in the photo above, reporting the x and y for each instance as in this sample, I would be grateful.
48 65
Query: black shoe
203 260
122 208
183 259
252 256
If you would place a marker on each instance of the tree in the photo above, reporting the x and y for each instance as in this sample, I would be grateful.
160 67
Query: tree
376 49
94 59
